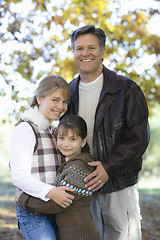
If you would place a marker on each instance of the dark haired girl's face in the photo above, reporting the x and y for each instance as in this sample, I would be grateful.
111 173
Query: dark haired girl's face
70 144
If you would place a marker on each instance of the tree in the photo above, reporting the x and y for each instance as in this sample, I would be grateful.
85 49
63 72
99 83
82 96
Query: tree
35 41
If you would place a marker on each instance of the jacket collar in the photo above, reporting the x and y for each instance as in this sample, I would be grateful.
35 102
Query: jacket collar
36 117
111 84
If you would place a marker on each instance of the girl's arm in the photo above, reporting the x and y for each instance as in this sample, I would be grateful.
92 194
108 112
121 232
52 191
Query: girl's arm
21 153
50 207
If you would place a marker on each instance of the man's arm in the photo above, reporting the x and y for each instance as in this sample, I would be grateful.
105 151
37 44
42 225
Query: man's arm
131 146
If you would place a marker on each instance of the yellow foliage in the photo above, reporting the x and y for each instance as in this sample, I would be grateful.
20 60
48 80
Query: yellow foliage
127 39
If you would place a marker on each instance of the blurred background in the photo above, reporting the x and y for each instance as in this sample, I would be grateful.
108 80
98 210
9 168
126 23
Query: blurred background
35 41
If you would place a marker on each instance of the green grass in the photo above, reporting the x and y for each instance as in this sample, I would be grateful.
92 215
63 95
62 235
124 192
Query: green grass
150 191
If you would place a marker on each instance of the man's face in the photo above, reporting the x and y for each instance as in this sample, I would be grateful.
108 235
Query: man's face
88 55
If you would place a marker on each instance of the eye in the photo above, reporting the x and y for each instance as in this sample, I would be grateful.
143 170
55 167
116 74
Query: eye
55 100
65 102
73 139
60 137
78 49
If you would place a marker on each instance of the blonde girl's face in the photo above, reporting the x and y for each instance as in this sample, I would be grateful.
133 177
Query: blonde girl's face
70 145
53 106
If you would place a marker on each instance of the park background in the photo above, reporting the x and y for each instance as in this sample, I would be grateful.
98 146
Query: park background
35 41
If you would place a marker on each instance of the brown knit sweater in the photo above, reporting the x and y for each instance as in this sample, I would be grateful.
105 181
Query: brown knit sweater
76 221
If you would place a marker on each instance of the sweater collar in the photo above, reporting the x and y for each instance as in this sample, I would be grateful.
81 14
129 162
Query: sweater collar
36 117
111 83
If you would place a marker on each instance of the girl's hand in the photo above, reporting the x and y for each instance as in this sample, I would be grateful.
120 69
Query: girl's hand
60 196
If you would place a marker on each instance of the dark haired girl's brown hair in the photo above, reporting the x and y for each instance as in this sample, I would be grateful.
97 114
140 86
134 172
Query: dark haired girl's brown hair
76 124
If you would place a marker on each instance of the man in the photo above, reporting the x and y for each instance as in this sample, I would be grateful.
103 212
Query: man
116 113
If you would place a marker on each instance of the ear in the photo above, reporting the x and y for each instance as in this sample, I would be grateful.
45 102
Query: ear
83 142
38 100
103 53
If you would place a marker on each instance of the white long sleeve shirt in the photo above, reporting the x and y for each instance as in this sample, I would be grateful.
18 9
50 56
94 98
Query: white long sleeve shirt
21 152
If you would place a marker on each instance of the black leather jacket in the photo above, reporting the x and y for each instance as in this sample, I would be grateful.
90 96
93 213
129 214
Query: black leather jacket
121 130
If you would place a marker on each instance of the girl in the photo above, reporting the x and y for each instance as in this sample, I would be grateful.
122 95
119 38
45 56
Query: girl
34 158
75 222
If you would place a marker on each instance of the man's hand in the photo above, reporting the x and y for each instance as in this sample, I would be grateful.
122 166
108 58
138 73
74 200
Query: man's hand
99 177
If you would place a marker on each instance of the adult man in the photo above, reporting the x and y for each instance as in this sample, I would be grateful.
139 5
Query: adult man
116 113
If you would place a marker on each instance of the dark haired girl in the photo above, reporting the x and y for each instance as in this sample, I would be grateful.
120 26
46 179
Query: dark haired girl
74 222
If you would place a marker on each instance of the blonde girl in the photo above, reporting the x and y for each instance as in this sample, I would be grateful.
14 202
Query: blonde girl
34 158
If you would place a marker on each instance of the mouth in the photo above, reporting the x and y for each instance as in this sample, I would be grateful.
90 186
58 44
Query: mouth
86 60
56 112
65 149
56 115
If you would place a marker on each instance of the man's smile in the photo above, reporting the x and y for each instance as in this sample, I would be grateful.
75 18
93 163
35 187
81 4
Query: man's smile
86 60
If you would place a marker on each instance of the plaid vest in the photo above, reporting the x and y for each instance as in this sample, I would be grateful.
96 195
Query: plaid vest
46 159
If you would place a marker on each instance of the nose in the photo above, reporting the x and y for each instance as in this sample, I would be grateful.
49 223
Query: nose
85 52
65 143
60 105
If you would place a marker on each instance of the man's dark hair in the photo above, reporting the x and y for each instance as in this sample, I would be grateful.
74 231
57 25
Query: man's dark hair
86 30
